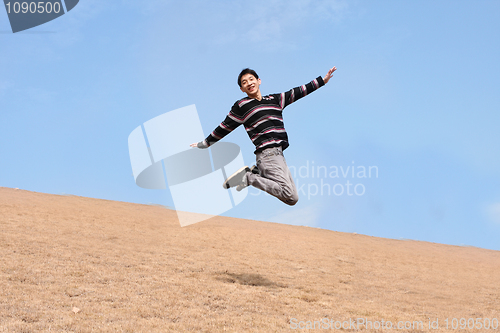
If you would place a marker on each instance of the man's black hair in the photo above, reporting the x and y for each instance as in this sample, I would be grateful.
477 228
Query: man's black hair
247 71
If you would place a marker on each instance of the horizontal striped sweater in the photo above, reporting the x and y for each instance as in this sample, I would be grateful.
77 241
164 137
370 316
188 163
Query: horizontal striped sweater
263 120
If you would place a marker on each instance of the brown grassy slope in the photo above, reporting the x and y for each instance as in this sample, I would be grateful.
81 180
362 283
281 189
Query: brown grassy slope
77 264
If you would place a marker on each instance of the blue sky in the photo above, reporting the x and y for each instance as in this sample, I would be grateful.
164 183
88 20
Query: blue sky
416 95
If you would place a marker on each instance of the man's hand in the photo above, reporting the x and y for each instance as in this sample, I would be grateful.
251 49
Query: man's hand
202 144
329 74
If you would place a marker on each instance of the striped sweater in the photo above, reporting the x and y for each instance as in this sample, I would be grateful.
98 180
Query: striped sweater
263 120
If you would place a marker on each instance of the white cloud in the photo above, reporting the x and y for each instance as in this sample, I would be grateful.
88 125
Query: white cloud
274 18
493 212
273 22
308 216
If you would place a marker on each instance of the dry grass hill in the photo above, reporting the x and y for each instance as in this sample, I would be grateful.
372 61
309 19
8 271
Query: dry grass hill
75 264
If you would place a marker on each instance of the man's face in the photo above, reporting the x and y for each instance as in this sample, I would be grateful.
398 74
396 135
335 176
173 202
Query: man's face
250 85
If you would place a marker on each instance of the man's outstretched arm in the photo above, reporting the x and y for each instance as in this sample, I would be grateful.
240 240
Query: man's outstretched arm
297 93
227 126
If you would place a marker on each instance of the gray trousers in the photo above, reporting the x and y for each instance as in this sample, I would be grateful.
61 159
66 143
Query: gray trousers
275 178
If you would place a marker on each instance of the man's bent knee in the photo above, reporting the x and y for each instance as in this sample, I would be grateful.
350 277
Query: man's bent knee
291 201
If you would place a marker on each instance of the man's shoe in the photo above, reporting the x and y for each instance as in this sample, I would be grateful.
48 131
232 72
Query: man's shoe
236 178
243 184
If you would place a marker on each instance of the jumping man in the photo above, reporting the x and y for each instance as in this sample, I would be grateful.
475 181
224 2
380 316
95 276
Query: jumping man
262 117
